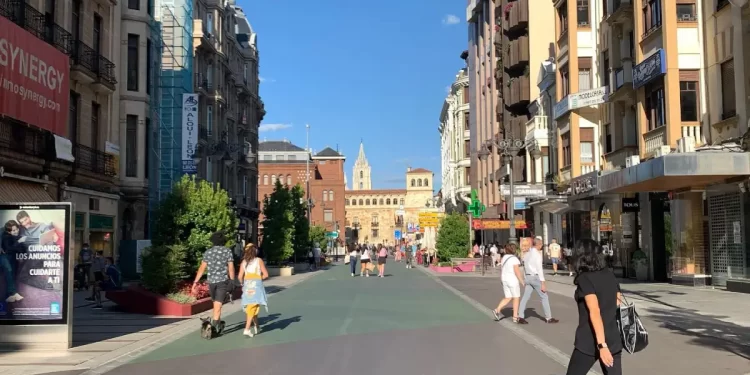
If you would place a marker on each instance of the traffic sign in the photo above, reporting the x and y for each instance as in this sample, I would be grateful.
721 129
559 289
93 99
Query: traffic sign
332 234
397 234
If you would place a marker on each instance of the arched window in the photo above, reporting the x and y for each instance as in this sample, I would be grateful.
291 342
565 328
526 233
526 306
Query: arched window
381 201
354 202
325 195
265 179
367 202
361 174
360 203
395 202
346 202
413 183
360 186
388 201
330 195
402 201
419 182
273 179
426 183
289 180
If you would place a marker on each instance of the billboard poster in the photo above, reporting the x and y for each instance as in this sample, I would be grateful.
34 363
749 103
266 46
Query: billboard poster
33 263
189 132
34 81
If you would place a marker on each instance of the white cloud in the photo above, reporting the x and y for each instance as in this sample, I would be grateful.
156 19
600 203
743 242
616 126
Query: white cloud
451 19
273 127
266 80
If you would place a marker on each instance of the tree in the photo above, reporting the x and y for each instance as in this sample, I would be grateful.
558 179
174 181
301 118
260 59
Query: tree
453 237
278 225
318 236
164 267
301 238
190 213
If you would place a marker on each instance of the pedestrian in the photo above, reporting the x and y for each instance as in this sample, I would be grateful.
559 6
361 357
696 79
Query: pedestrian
364 262
310 260
317 253
495 257
568 254
409 258
353 260
510 270
555 255
97 270
598 296
382 256
252 273
218 264
535 281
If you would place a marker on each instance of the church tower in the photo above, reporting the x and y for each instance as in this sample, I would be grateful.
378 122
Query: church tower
361 175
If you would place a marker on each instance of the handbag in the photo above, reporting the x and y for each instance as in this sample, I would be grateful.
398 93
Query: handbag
633 333
347 258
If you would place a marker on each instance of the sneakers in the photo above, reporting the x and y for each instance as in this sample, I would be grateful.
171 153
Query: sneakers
352 274
552 321
496 314
520 321
248 333
14 298
255 328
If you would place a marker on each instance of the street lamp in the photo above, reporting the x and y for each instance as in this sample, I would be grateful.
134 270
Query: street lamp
225 149
507 149
307 177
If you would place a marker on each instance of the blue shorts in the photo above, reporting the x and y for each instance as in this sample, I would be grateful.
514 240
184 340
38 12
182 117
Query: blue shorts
555 260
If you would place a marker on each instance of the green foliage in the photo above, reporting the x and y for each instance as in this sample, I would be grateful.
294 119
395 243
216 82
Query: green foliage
453 237
278 224
301 238
190 214
181 298
318 236
164 267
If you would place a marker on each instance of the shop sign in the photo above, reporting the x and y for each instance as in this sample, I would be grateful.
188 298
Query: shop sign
649 69
584 184
581 99
533 190
631 205
489 224
189 132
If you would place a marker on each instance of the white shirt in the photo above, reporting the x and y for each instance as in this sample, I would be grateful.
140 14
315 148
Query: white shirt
493 249
532 262
366 254
508 274
316 252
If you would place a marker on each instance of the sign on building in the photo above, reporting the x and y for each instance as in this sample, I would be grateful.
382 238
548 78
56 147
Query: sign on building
189 132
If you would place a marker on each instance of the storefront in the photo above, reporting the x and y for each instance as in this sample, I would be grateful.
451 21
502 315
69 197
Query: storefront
96 216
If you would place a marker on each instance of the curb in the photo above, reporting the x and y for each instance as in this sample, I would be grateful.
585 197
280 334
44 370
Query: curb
550 351
101 366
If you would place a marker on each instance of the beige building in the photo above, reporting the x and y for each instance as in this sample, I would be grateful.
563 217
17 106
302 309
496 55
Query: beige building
373 215
455 147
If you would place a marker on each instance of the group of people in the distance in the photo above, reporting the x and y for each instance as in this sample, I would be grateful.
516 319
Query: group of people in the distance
411 253
597 295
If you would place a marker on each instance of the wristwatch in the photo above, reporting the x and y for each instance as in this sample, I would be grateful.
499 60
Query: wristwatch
602 345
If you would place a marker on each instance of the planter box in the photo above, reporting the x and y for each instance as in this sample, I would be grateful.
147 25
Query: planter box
466 267
280 271
298 267
140 301
442 269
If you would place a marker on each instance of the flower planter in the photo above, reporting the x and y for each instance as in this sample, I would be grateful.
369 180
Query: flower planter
442 269
280 271
140 301
465 267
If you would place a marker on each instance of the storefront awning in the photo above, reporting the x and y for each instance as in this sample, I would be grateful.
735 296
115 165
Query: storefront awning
552 205
12 191
677 171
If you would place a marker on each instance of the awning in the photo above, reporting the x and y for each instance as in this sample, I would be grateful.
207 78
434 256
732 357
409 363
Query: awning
677 171
551 204
19 191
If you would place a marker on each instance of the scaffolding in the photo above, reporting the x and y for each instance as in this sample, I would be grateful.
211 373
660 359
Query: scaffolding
171 77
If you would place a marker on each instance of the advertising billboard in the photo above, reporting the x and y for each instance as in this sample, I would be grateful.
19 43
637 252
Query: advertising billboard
189 132
33 262
34 82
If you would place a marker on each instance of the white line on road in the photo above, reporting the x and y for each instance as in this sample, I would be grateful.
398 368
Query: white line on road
546 348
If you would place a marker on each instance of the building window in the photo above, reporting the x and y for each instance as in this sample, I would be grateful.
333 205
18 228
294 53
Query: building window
279 157
273 179
583 13
419 182
587 152
210 23
562 17
75 19
325 195
467 124
360 186
381 202
96 37
95 111
584 79
131 146
149 57
291 157
545 166
328 216
688 101
728 101
330 195
401 201
565 138
565 81
209 120
467 148
426 183
656 115
388 201
651 15
413 182
361 174
686 12
134 4
289 180
244 186
367 202
375 219
605 68
133 62
360 202
346 201
148 144
265 179
607 138
374 233
354 202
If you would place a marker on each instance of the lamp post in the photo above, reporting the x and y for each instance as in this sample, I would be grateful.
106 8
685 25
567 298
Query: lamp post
307 177
507 148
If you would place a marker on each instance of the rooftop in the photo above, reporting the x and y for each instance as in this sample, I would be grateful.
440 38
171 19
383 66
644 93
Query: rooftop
328 153
376 192
279 146
419 170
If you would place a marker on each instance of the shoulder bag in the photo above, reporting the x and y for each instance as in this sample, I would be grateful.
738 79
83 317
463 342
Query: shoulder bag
633 333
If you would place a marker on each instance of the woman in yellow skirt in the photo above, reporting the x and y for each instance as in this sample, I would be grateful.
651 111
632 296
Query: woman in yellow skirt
252 273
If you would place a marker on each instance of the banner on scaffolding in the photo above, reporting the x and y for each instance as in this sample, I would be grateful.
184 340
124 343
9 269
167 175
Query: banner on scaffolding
189 132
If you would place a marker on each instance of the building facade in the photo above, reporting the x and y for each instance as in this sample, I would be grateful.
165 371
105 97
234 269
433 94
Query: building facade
288 163
64 149
230 109
455 147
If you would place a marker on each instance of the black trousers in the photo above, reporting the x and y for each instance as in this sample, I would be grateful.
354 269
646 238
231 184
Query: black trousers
581 363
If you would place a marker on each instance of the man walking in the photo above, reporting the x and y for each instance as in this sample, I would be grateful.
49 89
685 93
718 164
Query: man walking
532 260
219 262
555 255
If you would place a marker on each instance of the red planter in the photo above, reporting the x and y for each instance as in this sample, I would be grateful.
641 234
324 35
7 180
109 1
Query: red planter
140 301
443 269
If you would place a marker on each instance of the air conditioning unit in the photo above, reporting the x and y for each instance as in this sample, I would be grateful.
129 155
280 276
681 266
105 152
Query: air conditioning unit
686 144
632 161
661 151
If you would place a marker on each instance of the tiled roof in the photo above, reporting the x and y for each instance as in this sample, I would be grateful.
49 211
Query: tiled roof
419 170
376 192
328 152
278 146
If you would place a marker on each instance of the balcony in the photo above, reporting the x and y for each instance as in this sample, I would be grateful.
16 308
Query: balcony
654 140
206 37
35 22
24 139
374 224
617 159
518 17
91 67
622 79
519 91
200 83
94 161
202 133
537 131
518 51
622 12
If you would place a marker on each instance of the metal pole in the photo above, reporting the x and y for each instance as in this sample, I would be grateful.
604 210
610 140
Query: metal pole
512 204
307 178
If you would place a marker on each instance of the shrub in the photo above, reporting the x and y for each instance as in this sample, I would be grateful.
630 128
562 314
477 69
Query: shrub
453 237
181 298
163 268
186 287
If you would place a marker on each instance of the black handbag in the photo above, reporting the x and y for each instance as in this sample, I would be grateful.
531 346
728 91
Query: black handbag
633 333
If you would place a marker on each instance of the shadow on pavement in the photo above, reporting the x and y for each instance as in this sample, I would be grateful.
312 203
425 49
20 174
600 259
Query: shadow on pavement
705 331
280 324
652 296
263 320
274 289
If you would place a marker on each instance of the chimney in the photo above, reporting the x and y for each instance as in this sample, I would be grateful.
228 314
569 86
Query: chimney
408 169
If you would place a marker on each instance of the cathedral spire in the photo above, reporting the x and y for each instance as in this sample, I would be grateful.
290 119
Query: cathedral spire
361 158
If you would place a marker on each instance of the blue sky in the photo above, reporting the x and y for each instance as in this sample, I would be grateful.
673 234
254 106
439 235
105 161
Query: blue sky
375 71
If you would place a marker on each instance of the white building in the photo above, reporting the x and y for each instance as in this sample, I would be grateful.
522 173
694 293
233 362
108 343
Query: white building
455 149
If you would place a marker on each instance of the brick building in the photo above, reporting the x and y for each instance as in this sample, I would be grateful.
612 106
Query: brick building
284 161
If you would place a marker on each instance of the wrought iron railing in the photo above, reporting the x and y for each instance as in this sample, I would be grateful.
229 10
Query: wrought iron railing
24 139
85 56
92 160
106 71
36 23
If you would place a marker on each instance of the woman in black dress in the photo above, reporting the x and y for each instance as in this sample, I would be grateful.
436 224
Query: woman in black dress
598 297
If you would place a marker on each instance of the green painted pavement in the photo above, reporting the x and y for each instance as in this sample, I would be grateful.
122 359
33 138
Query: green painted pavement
333 303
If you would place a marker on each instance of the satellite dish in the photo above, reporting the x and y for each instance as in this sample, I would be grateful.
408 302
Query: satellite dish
738 3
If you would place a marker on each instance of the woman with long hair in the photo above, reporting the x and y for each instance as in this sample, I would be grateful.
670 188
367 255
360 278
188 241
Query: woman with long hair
598 297
512 281
252 273
382 256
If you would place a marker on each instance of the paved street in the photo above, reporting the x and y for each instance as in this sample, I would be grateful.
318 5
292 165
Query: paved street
333 324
